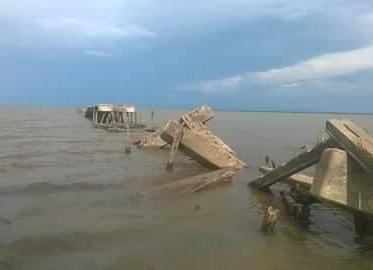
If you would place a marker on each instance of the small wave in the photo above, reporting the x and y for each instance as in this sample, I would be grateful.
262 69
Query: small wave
54 244
5 221
43 187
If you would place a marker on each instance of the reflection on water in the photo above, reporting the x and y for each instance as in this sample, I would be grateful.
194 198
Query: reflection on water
70 198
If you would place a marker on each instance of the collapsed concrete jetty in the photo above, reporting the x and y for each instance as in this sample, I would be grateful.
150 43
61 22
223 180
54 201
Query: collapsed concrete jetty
344 172
190 135
201 114
198 142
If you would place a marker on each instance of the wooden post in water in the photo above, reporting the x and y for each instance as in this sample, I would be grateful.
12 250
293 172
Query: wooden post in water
270 219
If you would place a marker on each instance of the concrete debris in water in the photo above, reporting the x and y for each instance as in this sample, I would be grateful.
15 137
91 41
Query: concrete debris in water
298 178
353 139
202 145
296 164
343 173
195 183
190 135
201 114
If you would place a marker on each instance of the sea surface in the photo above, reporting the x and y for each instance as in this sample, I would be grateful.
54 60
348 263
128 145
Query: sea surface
70 198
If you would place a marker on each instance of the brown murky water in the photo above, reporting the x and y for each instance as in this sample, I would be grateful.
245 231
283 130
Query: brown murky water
70 199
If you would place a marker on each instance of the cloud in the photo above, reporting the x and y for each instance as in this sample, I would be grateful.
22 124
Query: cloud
69 32
322 67
94 29
74 32
96 53
218 86
95 21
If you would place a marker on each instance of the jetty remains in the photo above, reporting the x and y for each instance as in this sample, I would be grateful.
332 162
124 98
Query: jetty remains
344 172
113 117
201 114
199 143
190 135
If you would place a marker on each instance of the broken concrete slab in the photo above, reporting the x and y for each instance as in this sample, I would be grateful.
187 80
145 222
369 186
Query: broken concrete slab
340 179
201 114
151 140
200 144
195 183
301 179
296 164
356 141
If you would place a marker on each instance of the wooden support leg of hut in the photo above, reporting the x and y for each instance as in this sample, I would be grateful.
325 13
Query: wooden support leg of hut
102 118
113 119
122 119
174 148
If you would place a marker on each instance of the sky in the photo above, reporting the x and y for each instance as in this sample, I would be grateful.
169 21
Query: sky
233 55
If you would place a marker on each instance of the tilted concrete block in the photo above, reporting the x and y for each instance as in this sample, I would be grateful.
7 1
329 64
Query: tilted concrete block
340 179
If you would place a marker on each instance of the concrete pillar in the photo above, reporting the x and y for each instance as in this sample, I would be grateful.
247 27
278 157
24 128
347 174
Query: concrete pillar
330 182
340 179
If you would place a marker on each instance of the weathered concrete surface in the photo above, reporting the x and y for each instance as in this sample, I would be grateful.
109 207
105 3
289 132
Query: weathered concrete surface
297 164
298 178
200 144
341 180
201 114
152 140
356 141
195 183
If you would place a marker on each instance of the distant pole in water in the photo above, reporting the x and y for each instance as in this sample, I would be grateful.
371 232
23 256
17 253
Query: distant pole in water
273 164
152 119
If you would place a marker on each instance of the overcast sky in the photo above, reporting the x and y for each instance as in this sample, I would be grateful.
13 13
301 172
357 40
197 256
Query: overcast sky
234 54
